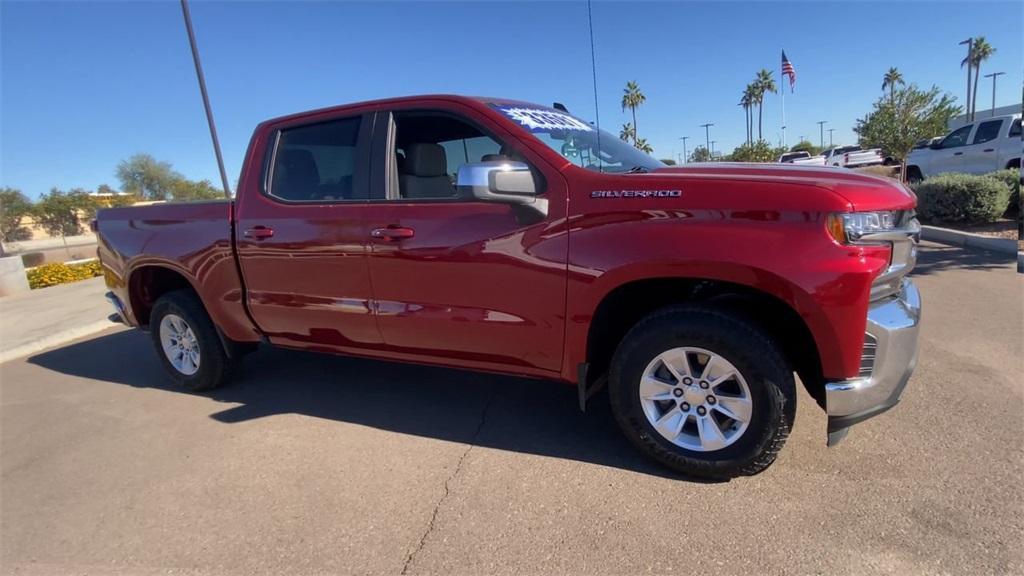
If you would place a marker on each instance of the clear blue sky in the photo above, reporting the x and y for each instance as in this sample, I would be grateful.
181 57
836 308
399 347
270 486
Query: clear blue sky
87 84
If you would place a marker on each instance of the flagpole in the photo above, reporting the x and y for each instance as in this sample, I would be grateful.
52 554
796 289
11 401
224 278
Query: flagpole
782 89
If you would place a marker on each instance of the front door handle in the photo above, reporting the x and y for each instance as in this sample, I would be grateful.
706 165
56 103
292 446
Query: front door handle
989 150
259 232
392 233
958 153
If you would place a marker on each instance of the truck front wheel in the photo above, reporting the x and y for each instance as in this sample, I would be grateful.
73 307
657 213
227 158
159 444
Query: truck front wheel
703 392
187 342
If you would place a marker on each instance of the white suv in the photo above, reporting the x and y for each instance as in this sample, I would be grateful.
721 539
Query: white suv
977 148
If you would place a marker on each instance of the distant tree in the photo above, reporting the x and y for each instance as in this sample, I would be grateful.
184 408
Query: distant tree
632 98
147 177
763 83
642 145
760 151
187 191
912 115
700 154
14 207
627 134
61 213
890 80
981 50
806 146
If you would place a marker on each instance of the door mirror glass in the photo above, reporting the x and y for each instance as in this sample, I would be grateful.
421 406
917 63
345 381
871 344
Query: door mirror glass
505 182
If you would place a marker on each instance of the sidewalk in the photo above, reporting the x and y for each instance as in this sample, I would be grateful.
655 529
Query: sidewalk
38 319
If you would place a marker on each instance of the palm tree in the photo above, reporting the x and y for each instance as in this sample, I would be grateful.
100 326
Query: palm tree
746 102
642 145
764 82
750 95
890 80
632 98
980 52
627 133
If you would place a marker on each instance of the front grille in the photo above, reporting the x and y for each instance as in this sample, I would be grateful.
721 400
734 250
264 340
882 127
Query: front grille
867 356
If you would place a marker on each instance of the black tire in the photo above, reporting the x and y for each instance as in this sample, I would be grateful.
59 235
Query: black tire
747 348
214 365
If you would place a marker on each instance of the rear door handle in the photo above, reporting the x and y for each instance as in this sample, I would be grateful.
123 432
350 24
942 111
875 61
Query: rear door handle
392 233
259 232
958 153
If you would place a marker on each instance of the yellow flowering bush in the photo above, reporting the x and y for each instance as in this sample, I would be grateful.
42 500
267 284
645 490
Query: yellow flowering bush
60 273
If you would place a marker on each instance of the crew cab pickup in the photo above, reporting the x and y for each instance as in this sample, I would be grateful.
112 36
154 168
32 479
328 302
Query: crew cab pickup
802 157
507 237
854 157
978 148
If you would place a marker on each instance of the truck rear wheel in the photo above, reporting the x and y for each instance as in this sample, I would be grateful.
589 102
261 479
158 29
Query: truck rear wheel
187 342
703 392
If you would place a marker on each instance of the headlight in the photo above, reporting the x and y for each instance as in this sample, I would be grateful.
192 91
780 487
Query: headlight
850 227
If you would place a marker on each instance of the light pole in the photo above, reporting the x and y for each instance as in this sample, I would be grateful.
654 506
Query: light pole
821 130
206 99
993 76
830 131
685 157
712 150
707 135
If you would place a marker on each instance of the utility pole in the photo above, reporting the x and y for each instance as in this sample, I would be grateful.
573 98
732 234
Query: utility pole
993 76
970 52
821 130
830 131
685 157
707 135
713 149
206 98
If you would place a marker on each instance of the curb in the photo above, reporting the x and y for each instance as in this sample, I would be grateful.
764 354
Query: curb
56 340
968 240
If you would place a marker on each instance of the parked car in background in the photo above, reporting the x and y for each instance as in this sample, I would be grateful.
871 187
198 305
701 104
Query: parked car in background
980 147
854 157
693 293
802 157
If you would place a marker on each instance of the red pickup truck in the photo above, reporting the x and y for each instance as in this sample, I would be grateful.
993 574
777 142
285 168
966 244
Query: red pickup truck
502 236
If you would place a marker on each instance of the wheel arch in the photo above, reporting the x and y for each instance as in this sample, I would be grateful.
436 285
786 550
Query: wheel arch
148 282
622 306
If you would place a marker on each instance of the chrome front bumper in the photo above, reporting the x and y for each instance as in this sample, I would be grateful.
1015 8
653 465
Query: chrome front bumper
894 323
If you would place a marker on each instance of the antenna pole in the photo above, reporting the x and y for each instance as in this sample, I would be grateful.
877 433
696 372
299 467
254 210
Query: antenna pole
593 69
206 98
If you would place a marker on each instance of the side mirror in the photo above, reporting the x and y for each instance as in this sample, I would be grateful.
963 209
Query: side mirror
936 145
504 182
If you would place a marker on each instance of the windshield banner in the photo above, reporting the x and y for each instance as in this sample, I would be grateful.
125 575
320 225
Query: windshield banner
542 120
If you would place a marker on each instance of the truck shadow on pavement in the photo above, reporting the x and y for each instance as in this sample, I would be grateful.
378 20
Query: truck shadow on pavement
506 413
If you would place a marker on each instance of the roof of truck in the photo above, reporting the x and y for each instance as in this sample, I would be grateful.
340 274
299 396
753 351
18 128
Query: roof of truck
401 100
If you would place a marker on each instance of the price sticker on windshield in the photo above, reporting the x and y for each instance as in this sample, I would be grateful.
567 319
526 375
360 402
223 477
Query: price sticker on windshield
543 120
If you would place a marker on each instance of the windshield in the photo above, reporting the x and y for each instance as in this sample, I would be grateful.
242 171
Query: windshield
578 141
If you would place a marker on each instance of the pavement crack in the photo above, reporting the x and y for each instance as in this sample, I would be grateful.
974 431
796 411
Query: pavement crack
458 468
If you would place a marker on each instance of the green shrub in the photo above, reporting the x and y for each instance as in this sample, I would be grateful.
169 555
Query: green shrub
962 198
60 273
1012 178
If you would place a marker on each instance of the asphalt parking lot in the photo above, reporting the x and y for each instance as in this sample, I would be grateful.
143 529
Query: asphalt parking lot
311 464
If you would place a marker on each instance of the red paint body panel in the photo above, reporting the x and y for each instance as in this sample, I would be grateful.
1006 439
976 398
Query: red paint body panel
473 287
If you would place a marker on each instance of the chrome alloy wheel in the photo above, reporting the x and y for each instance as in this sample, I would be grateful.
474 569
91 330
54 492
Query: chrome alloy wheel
179 343
695 399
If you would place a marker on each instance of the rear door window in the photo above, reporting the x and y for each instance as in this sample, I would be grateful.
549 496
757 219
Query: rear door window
317 162
987 131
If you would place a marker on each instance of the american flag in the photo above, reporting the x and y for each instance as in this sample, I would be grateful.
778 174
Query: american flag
788 70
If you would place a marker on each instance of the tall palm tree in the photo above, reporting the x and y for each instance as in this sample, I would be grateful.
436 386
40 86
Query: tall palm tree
765 83
627 133
746 102
632 98
750 94
980 52
890 80
642 145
